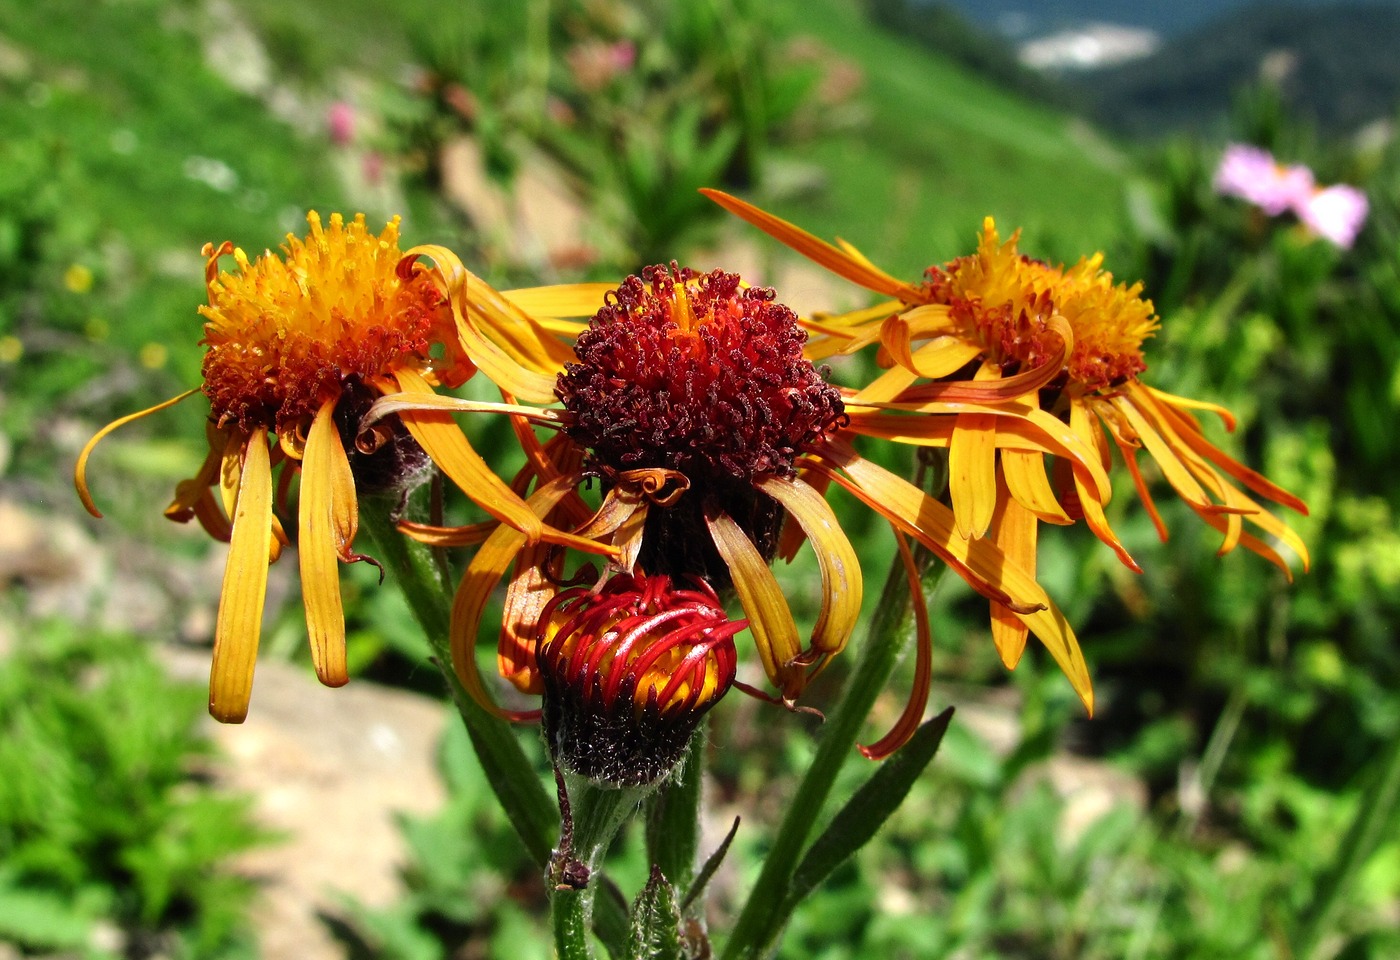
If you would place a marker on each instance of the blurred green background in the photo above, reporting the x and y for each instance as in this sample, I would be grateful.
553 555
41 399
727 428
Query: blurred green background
1228 799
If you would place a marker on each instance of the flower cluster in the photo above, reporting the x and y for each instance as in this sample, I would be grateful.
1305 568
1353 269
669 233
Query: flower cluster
691 439
1335 212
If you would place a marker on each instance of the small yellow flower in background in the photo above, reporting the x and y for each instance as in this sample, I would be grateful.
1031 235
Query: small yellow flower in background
11 349
78 278
297 347
1003 360
153 356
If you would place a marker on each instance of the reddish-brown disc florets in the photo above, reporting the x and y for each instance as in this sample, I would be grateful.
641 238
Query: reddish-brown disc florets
695 373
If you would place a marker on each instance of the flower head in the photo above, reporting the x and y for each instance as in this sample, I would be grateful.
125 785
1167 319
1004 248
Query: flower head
1013 366
629 669
1251 173
298 346
1336 213
696 402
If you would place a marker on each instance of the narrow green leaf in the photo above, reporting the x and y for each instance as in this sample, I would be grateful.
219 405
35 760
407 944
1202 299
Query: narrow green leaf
611 924
708 870
867 810
656 921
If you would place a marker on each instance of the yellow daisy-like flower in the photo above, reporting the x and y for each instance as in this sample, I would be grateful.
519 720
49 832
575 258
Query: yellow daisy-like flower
693 400
299 346
1054 356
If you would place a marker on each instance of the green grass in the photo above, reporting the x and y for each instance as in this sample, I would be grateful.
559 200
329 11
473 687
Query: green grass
939 150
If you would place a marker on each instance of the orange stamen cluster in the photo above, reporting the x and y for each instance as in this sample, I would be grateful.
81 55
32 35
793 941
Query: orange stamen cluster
282 335
1006 301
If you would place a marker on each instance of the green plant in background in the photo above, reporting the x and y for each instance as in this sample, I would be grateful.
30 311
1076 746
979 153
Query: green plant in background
641 104
112 840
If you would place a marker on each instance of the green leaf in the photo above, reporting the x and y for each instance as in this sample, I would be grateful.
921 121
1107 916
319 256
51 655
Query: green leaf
673 816
656 921
863 815
41 920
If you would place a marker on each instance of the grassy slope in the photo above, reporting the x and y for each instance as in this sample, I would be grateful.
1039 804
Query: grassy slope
941 149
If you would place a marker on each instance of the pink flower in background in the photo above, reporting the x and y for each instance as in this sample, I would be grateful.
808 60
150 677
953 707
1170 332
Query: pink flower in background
1335 213
1254 175
340 123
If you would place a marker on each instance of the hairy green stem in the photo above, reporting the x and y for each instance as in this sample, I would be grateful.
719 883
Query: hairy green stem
508 770
766 911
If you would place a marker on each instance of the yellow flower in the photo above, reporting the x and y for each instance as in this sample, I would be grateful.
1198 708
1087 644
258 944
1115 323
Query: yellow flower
1004 360
298 346
692 400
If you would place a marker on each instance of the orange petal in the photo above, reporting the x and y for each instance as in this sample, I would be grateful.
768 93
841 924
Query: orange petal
1187 403
479 582
1190 432
80 468
1014 533
526 371
467 536
932 524
245 588
449 448
842 583
328 520
855 269
908 722
1081 421
770 620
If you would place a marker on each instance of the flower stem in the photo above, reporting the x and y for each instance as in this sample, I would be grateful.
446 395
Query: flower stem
766 911
508 770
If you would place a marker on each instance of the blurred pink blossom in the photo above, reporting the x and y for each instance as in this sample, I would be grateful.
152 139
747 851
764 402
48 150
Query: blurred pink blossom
1335 213
340 123
1254 175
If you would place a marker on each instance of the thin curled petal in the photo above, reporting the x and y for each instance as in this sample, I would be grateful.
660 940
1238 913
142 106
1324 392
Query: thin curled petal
842 583
244 590
449 448
1083 424
913 713
328 520
80 468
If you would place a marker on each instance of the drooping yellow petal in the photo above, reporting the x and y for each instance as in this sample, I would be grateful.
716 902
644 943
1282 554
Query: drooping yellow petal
932 524
80 468
972 473
940 357
770 620
842 583
1172 400
328 519
1190 432
1090 504
239 619
1026 481
434 536
855 269
398 403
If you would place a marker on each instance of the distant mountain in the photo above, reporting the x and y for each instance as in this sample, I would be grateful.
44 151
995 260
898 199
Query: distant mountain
1024 19
1335 65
